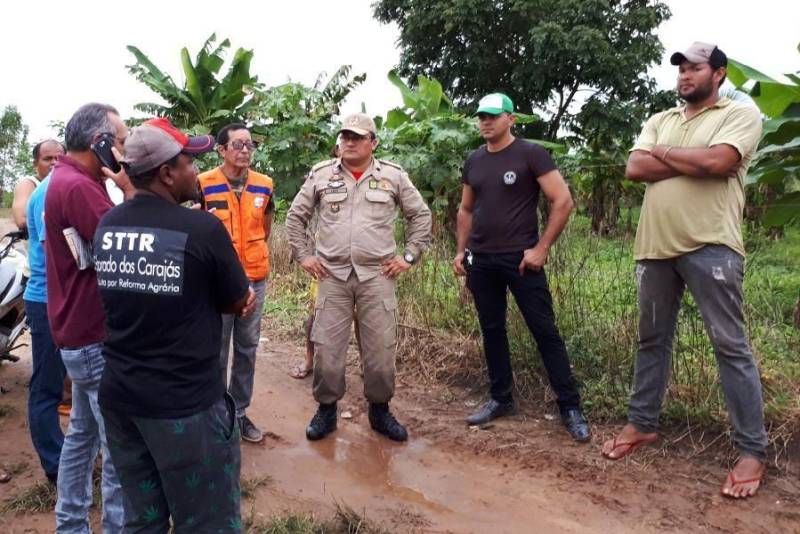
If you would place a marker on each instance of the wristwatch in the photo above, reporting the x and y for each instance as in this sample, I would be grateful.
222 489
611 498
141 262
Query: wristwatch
409 257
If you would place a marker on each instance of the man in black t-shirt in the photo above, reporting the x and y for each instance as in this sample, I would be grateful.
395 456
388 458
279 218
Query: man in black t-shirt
166 274
497 219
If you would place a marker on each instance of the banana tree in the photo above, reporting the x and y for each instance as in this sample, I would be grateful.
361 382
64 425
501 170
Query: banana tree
777 163
205 102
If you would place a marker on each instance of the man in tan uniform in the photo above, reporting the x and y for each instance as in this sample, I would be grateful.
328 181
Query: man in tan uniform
356 197
694 159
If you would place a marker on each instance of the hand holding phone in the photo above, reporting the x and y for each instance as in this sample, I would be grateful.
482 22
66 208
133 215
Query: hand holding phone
103 149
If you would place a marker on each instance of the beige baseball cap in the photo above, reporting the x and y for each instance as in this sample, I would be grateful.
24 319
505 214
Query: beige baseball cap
156 141
360 123
701 52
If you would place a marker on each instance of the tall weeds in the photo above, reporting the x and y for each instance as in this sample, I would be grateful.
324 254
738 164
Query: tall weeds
594 292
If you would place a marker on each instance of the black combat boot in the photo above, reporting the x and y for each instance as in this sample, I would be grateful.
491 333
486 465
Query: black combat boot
323 422
382 421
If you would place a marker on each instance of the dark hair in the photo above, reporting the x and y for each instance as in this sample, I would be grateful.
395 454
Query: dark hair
716 60
144 179
37 148
223 136
89 121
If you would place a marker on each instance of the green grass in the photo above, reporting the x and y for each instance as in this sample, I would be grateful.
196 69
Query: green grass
593 286
36 499
345 521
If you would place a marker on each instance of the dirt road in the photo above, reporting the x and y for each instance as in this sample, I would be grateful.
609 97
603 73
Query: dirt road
521 475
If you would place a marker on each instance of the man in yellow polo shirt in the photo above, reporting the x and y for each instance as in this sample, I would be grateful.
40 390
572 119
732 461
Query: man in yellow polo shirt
242 199
694 159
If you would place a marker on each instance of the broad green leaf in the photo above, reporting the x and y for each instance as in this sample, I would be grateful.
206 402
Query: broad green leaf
781 130
524 118
410 100
783 211
790 146
557 148
395 118
739 73
192 84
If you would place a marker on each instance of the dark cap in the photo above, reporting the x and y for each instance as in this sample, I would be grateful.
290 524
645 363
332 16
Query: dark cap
701 53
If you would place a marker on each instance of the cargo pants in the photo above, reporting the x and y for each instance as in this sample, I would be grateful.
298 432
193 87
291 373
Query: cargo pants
376 306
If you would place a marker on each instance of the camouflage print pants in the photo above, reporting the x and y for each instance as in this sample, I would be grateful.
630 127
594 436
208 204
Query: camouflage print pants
186 469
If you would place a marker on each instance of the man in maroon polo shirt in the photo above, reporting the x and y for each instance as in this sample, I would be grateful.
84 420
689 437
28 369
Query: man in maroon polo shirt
76 200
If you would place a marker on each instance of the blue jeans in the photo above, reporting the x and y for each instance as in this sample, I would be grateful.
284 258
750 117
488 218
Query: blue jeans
45 391
85 436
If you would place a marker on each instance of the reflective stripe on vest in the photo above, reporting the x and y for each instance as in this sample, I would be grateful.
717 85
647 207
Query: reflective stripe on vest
243 217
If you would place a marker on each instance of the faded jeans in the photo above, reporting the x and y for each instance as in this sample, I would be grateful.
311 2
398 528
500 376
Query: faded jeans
85 436
714 276
245 331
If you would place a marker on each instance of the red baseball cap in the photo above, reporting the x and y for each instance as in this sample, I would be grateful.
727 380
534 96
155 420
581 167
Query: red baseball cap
156 141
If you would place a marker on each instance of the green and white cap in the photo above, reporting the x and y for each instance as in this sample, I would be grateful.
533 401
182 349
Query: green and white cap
495 104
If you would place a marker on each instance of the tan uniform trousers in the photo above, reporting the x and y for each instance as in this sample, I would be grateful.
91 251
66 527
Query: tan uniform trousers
376 306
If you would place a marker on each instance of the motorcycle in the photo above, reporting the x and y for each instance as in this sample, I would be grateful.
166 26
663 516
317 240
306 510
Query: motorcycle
12 286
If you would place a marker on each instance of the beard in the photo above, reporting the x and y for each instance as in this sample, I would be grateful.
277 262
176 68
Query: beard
700 93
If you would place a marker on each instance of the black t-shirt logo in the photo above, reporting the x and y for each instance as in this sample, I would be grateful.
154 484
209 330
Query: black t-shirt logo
142 260
510 177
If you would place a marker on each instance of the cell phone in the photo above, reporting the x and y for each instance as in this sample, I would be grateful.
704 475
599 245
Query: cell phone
102 149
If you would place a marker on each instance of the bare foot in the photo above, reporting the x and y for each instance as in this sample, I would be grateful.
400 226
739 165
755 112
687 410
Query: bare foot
626 442
745 478
300 371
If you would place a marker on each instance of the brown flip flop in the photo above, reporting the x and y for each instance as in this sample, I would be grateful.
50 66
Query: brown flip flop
631 446
734 482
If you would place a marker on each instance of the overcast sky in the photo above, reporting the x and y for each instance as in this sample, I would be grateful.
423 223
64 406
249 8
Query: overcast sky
59 55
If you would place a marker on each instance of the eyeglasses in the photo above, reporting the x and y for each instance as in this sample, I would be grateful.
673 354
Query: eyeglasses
238 145
352 136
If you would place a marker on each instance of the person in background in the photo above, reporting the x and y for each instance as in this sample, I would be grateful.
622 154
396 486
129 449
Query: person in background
694 158
242 199
355 262
45 155
47 384
499 249
76 200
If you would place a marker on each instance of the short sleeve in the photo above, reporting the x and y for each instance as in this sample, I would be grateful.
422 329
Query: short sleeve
741 130
84 208
648 136
227 275
540 160
465 170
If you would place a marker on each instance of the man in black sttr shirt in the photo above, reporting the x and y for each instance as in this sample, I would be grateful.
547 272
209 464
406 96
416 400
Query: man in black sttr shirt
497 220
166 274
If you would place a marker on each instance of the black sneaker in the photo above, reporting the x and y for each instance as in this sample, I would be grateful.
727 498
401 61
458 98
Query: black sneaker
577 425
323 422
249 431
383 422
492 409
